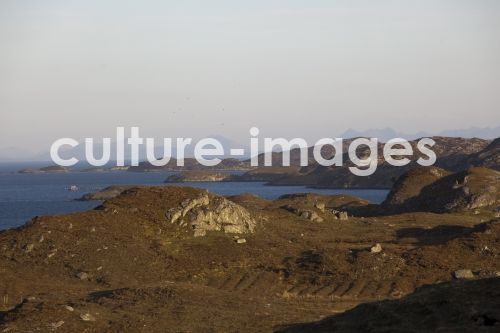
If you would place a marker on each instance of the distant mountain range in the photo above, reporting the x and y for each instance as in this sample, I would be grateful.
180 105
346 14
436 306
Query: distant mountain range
13 154
384 134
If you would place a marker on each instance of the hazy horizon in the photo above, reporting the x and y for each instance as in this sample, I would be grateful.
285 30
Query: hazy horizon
191 69
13 154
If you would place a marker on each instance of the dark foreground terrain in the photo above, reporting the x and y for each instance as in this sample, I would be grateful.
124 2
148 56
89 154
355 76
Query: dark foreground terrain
178 259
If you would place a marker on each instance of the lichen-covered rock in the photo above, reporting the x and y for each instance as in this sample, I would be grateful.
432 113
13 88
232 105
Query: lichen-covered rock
463 274
176 213
82 275
204 214
320 206
377 248
340 215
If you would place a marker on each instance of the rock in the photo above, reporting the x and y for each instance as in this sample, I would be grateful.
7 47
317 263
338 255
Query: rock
82 276
463 274
87 317
56 325
305 214
377 248
318 219
310 215
69 308
51 254
29 247
342 216
214 213
320 206
241 240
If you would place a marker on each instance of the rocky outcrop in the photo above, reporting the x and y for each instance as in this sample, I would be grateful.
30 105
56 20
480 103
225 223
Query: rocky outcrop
193 210
409 185
198 176
341 215
463 274
211 213
475 188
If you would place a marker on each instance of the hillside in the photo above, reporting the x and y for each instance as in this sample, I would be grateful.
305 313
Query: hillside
489 157
169 259
453 154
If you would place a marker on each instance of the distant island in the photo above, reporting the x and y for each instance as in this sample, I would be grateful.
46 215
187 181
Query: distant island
47 169
61 169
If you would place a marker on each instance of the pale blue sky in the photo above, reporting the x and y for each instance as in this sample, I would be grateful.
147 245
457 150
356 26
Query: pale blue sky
292 68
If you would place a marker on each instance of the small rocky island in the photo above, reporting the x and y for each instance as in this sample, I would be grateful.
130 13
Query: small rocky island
47 169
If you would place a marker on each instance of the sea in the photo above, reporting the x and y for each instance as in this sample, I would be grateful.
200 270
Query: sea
24 196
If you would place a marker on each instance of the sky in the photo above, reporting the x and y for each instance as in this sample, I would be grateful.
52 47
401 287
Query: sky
292 68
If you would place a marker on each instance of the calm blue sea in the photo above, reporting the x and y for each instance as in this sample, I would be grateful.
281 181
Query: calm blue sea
23 196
